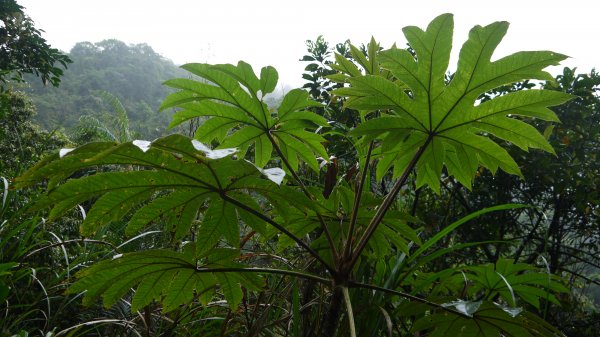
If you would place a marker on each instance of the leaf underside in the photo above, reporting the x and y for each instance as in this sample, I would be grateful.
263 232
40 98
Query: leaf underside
420 109
230 100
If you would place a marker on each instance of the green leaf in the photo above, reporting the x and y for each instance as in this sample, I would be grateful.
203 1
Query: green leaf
489 320
113 206
295 100
231 99
181 289
151 289
443 119
345 66
220 220
248 218
170 183
181 207
268 79
170 278
231 289
506 278
263 148
443 233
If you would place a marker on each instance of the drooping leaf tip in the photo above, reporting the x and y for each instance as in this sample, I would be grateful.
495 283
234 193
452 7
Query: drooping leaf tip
213 154
143 145
64 152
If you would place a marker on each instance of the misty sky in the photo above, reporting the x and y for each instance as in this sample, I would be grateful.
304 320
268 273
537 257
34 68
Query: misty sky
273 32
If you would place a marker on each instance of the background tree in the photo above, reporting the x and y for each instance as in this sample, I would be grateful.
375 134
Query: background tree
563 228
30 288
108 66
23 50
22 142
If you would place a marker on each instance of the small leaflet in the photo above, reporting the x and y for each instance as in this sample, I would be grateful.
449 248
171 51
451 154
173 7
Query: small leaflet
63 152
83 214
5 193
512 293
513 312
213 154
466 307
143 145
274 174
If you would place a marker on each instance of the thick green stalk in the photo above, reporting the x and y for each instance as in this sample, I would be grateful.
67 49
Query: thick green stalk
385 205
356 206
307 193
265 271
353 284
282 229
349 311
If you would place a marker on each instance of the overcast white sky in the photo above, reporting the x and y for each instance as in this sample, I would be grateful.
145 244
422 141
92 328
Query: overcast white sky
268 32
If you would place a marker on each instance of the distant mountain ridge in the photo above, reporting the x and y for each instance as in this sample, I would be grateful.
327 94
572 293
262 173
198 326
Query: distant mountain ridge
133 73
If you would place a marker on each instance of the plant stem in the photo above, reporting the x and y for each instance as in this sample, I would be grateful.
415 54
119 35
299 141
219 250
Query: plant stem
349 311
357 198
33 252
265 271
385 205
282 229
353 284
307 193
331 317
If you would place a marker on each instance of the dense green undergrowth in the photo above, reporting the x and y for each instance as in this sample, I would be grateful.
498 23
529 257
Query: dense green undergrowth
303 218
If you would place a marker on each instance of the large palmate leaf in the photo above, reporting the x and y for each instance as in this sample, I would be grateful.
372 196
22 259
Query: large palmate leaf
170 278
513 282
441 123
485 320
169 180
336 212
231 100
507 284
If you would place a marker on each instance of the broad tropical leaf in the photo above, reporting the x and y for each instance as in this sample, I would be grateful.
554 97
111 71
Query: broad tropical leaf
487 320
507 282
170 278
513 282
443 123
231 100
170 180
336 212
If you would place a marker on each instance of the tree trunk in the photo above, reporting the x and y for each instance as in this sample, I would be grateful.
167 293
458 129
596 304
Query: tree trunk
331 319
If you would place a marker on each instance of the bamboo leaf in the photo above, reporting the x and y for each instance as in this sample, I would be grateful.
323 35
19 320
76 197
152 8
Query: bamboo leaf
426 245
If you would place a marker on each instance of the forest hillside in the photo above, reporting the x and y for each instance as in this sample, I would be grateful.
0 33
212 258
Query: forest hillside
132 73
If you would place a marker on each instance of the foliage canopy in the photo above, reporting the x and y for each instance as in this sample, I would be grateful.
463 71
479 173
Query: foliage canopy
23 50
226 188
